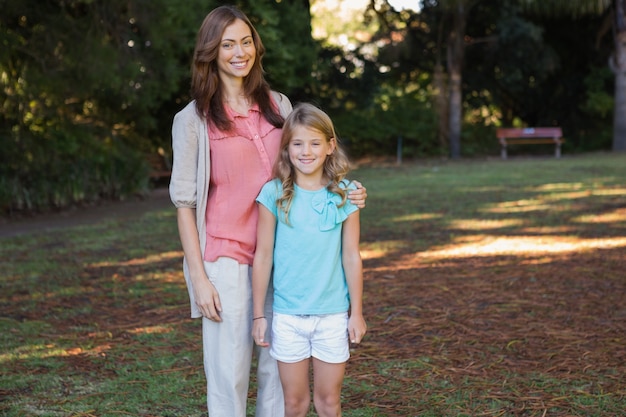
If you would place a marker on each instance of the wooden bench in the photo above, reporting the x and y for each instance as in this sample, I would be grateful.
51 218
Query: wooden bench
530 135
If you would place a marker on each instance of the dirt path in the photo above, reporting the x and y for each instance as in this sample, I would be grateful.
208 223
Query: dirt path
158 199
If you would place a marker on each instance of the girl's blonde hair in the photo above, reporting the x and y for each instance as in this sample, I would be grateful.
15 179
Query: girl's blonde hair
336 165
206 88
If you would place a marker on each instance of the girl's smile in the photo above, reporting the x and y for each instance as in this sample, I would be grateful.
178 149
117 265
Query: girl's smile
308 149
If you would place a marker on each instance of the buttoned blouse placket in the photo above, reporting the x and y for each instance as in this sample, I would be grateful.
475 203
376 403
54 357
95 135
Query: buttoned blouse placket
258 143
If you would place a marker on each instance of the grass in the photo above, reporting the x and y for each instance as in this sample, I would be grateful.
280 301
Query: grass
493 288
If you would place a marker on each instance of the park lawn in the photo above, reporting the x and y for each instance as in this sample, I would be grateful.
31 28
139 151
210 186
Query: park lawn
492 288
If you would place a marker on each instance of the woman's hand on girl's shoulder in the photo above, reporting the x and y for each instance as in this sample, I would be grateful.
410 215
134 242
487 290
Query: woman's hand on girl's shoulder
358 196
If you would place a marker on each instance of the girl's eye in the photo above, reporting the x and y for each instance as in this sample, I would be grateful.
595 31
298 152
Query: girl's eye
247 42
227 45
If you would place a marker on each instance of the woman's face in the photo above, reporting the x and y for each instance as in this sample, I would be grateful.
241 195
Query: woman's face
237 51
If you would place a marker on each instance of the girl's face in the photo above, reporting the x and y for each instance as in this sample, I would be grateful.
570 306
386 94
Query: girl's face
236 52
308 149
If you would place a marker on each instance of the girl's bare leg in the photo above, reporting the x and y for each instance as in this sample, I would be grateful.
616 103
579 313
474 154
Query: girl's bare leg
295 381
327 381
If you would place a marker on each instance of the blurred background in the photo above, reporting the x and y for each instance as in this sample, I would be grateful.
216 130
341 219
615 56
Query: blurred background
88 88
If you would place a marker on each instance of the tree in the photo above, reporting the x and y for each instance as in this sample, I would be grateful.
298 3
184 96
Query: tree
451 26
458 9
285 28
80 82
458 27
616 11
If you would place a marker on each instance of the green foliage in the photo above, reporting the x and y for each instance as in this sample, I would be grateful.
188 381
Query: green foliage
513 64
372 110
395 116
80 83
599 101
76 169
574 8
285 27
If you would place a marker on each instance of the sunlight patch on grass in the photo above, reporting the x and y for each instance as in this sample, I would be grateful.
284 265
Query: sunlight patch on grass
572 195
559 186
545 202
96 350
39 351
610 192
519 206
373 250
502 245
150 259
478 224
151 330
549 230
21 352
170 277
615 216
416 217
46 351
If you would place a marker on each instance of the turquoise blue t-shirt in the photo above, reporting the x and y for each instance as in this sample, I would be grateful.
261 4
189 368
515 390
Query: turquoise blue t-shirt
308 272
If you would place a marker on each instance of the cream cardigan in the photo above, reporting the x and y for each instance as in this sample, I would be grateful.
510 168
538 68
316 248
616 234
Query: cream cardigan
189 184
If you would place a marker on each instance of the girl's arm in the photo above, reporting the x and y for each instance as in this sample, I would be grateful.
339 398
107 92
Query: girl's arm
358 196
261 271
206 296
353 267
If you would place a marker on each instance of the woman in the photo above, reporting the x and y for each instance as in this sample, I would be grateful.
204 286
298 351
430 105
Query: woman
235 115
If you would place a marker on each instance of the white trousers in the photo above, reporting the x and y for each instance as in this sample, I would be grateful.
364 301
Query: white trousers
228 347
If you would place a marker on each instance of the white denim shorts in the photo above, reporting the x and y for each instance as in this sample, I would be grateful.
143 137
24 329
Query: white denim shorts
295 338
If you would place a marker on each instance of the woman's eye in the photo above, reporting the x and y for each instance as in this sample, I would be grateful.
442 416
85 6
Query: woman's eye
247 42
227 45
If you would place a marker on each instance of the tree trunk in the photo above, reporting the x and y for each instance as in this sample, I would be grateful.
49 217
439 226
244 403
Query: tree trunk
619 67
441 107
456 114
442 96
456 49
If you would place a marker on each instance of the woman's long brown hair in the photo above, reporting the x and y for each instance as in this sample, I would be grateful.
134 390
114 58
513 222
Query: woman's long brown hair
206 88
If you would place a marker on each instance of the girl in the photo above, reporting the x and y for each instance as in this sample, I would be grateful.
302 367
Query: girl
235 115
308 232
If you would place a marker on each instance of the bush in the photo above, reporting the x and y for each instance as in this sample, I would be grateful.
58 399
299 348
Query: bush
79 168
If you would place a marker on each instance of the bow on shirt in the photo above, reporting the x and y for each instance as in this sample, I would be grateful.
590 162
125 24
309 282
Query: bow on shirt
330 215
